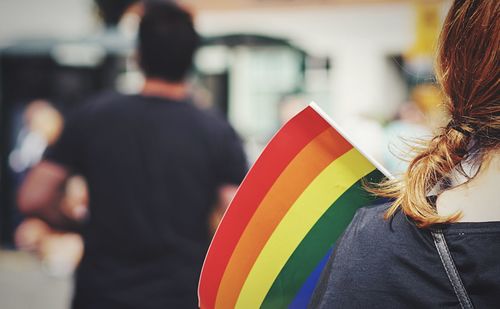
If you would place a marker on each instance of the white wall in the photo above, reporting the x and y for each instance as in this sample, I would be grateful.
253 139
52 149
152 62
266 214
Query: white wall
357 38
389 26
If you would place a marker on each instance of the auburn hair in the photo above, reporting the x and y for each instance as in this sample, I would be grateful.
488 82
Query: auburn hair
467 69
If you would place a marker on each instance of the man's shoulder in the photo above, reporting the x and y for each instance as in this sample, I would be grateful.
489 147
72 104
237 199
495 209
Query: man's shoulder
212 121
103 100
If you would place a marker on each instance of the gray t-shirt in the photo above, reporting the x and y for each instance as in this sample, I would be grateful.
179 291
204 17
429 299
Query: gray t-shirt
394 264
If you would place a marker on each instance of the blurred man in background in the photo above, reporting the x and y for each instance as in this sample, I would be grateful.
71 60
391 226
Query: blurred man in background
154 165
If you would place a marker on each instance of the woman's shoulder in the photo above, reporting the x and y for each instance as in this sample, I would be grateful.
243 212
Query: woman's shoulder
374 256
371 235
370 222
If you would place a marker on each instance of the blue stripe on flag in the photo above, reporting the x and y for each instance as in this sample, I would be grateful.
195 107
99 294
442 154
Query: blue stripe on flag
304 295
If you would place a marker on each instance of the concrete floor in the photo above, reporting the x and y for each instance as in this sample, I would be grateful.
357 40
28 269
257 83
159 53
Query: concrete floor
25 285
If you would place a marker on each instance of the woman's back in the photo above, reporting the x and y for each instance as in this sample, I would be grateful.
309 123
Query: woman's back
395 264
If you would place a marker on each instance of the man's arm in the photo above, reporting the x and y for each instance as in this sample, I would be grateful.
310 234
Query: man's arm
41 194
225 196
231 167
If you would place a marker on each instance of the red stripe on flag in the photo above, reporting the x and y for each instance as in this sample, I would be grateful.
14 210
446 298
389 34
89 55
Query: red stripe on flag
304 168
294 136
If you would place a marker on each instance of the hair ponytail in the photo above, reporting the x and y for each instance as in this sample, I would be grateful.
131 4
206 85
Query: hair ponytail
468 71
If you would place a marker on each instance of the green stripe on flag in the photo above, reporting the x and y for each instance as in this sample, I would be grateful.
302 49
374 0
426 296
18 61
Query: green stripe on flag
317 243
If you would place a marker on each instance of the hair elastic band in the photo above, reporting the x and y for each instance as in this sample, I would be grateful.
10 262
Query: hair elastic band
459 128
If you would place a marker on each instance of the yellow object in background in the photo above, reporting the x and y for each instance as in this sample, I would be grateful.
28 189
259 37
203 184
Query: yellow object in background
427 27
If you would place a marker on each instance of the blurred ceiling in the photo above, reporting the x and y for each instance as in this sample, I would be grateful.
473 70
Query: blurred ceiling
112 10
258 4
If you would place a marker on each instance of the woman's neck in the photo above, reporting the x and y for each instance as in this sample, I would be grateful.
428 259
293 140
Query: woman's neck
477 199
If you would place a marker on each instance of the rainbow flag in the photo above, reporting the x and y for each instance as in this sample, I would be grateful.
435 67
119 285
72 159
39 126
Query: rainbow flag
281 226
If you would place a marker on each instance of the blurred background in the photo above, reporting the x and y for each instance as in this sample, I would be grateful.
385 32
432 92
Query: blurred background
367 63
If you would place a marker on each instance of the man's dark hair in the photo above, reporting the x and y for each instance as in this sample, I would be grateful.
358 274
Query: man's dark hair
167 41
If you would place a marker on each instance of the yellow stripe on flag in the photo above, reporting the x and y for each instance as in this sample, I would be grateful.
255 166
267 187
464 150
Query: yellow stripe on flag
339 176
297 176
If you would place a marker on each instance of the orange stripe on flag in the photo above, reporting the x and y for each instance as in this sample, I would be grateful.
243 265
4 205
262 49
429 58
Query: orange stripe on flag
301 171
330 184
280 151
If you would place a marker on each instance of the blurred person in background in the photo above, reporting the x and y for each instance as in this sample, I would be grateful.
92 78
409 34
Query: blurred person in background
439 245
414 122
41 126
289 106
155 166
59 252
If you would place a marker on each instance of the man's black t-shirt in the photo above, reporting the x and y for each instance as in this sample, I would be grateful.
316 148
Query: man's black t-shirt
153 167
394 264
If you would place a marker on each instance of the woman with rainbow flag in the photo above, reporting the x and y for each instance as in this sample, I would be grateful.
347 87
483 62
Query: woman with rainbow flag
439 244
